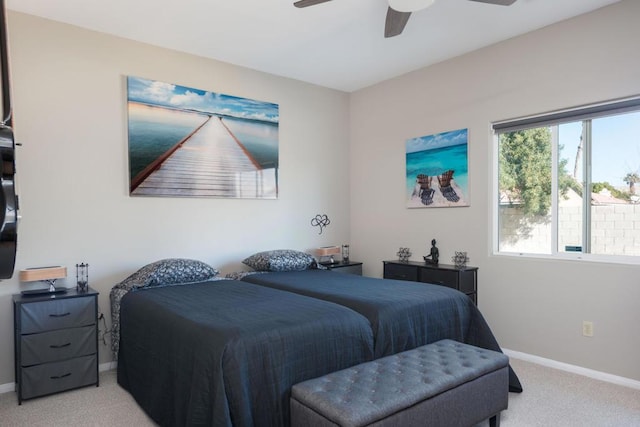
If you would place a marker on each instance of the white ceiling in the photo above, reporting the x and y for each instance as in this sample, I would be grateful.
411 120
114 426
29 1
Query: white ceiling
339 44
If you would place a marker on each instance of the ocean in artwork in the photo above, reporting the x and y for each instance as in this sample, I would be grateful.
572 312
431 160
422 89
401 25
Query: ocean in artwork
259 138
154 130
433 155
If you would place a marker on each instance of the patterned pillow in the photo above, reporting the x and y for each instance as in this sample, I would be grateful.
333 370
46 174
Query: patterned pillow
169 272
280 260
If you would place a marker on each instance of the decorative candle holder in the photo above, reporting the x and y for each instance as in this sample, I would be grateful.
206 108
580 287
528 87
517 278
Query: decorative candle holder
460 259
345 253
404 254
82 277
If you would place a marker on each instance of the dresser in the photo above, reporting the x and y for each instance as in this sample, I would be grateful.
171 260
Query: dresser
56 342
464 279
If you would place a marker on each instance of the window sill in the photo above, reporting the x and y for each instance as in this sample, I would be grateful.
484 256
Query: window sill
602 259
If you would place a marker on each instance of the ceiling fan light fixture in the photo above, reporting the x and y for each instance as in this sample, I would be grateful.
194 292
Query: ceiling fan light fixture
410 5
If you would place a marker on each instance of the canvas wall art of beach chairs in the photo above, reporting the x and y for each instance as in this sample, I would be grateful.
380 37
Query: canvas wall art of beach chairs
186 142
437 170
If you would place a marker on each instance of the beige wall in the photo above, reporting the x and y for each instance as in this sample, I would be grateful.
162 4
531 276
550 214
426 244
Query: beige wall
70 115
534 306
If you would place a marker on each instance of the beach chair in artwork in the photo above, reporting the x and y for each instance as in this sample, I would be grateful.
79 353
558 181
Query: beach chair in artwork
425 192
446 189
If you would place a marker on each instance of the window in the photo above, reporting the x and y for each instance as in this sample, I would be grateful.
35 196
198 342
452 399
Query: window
566 183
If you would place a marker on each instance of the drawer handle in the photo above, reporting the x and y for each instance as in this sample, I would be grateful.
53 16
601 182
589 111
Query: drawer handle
58 377
60 315
60 346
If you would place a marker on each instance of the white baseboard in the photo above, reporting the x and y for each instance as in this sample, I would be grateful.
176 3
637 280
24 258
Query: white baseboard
108 366
602 376
9 387
6 388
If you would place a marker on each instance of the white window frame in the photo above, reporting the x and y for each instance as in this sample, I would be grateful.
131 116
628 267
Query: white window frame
575 114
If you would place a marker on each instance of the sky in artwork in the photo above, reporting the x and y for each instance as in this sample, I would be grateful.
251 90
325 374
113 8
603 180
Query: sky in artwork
439 140
186 98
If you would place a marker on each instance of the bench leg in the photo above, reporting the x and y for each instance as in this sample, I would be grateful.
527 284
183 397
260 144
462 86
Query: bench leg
495 420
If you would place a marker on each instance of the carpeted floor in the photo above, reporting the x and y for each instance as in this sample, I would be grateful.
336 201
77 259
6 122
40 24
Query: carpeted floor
552 398
107 405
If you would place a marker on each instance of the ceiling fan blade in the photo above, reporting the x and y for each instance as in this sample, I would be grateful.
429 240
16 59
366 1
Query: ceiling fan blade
307 3
499 2
395 22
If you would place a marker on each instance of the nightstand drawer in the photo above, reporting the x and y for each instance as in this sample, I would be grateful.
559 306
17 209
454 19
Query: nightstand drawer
439 277
349 267
58 345
40 380
400 272
57 314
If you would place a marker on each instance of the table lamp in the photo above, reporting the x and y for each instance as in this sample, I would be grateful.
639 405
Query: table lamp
327 251
43 274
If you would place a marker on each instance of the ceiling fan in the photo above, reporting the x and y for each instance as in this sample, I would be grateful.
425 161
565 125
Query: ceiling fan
399 11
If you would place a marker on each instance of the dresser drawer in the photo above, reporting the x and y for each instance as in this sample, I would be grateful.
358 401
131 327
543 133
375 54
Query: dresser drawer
467 281
48 378
57 314
400 272
439 277
58 345
464 279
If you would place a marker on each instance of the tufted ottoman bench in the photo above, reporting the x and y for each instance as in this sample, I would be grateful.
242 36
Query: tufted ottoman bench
445 383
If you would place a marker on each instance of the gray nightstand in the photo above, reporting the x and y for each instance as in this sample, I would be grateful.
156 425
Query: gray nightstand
349 267
56 342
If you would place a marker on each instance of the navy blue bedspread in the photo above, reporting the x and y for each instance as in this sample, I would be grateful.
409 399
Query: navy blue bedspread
403 314
227 352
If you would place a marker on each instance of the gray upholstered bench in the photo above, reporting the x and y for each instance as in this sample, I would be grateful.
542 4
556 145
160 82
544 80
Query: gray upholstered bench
445 383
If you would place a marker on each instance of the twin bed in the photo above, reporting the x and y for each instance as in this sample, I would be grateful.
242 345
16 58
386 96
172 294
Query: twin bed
193 350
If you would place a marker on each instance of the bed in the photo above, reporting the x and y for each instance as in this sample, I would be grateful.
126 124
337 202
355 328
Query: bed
195 350
402 314
226 352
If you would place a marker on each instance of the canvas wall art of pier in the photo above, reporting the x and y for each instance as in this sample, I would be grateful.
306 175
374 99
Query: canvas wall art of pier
186 142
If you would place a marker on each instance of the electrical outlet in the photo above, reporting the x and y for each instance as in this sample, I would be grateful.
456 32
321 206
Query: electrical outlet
587 328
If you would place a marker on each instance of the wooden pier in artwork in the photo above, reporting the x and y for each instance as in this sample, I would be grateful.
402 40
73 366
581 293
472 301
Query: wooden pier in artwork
210 162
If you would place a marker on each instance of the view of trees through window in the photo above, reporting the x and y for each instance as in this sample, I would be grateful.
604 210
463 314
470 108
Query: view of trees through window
571 187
